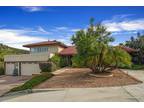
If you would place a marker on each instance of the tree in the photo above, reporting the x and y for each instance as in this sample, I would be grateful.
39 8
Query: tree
137 43
94 50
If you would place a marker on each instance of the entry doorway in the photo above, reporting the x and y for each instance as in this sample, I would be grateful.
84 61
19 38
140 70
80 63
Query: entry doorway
17 69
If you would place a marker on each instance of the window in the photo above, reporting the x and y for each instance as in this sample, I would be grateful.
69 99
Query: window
39 49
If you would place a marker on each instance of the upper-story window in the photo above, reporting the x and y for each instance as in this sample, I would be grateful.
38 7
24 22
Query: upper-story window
39 49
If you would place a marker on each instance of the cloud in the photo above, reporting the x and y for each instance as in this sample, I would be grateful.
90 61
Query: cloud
16 38
41 29
66 29
137 24
32 8
124 23
75 30
62 28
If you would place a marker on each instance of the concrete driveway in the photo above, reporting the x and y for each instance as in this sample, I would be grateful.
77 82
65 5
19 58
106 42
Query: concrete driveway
131 93
8 82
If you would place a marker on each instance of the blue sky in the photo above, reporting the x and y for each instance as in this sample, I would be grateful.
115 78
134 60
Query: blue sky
22 25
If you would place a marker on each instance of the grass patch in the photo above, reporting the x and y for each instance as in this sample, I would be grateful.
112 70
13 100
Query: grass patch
137 67
32 82
133 67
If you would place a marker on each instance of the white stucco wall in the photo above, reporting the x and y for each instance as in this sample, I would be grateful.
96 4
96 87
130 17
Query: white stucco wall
27 57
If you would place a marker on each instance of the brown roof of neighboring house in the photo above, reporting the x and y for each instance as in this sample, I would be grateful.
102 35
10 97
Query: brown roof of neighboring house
129 50
71 50
46 43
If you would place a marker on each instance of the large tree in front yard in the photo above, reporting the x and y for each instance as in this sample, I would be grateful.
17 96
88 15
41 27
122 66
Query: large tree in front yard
95 52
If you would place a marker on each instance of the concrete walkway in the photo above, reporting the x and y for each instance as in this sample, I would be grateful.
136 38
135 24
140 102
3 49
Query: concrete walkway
131 93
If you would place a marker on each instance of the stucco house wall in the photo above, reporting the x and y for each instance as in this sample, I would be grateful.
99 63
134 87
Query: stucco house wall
28 64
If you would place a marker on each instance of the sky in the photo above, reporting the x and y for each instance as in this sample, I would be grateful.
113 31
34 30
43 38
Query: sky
23 25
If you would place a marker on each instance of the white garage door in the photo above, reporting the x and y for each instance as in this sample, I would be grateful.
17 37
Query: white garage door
9 68
30 68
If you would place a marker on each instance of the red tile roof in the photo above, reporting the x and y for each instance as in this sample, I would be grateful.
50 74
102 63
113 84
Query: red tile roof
46 43
71 50
127 49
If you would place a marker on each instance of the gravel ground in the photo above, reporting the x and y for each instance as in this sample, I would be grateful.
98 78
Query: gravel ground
80 78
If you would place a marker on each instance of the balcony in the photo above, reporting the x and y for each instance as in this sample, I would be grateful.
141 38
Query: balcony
28 57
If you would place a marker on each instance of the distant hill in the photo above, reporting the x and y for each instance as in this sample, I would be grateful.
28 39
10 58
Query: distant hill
6 50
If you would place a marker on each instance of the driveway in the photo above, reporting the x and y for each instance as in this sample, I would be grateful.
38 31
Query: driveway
8 82
130 93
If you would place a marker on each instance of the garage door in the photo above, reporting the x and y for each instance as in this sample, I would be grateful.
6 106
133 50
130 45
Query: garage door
9 68
30 68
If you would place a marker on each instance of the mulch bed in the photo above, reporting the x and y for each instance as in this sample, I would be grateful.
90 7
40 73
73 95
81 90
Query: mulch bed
80 78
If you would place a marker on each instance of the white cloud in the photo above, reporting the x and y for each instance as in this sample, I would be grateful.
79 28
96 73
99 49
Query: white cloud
32 8
41 29
66 29
62 28
16 38
137 24
122 23
75 30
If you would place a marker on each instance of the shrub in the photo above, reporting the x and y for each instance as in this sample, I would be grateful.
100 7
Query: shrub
47 67
78 61
56 59
63 62
32 82
1 70
133 67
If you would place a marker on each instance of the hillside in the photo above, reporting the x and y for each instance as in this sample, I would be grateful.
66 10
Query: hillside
6 50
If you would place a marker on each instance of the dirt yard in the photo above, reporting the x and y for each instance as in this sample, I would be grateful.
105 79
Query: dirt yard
80 78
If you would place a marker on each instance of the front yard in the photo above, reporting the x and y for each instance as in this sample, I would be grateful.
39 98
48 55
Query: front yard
80 78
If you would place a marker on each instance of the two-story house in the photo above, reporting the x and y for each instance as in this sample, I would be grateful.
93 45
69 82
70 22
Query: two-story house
28 64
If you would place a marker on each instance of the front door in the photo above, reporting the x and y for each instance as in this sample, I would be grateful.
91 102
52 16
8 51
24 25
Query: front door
16 69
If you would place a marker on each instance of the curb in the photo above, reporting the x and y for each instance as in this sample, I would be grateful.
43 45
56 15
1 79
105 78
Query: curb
131 76
16 93
49 89
28 91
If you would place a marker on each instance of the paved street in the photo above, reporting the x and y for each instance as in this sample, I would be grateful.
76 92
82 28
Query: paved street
131 93
8 82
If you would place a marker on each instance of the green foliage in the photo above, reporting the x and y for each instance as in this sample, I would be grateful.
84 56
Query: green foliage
33 82
56 59
60 61
137 67
78 61
137 43
1 68
121 57
47 67
6 50
95 52
64 62
133 67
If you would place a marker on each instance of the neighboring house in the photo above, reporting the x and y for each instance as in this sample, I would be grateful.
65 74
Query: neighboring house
28 64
